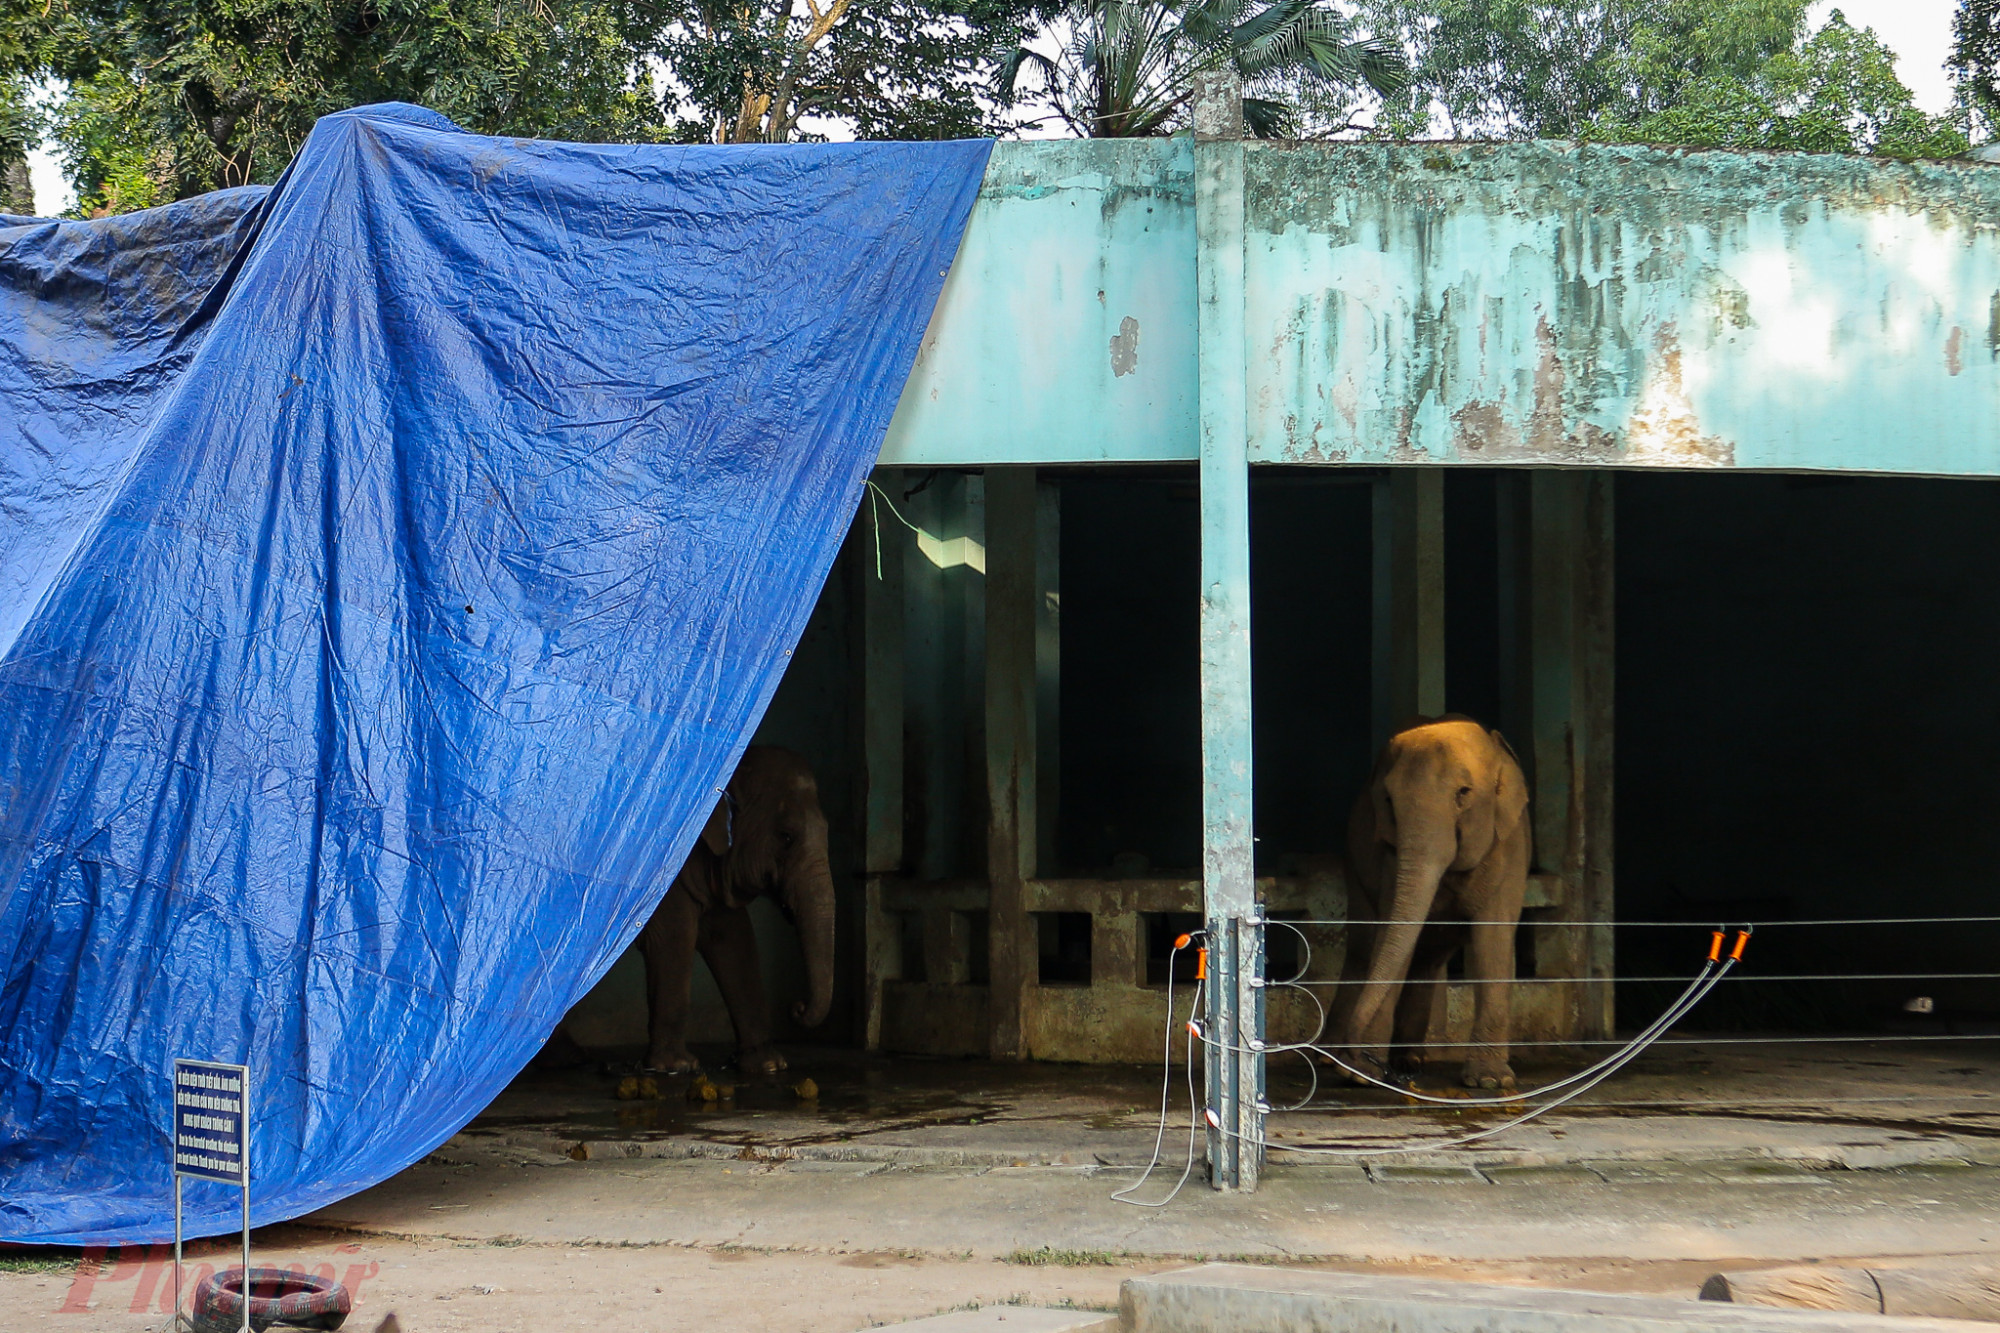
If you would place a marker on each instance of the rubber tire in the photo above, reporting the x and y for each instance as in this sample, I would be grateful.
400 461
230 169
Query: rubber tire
308 1302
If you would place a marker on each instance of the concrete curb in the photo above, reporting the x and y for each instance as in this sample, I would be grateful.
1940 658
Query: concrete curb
1939 1151
679 1148
1239 1298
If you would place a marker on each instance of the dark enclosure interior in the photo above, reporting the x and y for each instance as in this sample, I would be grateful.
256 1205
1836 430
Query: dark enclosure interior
1806 724
1805 713
1807 729
1131 720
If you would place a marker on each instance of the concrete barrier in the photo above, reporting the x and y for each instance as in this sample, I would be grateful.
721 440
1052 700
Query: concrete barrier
1240 1298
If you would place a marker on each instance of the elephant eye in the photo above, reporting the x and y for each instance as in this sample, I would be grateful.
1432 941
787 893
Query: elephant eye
1464 792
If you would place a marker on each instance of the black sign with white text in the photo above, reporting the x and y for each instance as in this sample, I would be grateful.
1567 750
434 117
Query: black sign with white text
211 1121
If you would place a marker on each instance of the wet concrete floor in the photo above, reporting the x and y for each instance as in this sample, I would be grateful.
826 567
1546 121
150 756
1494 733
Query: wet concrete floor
1829 1104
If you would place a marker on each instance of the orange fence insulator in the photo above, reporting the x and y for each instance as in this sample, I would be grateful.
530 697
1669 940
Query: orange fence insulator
1742 942
1715 947
1200 964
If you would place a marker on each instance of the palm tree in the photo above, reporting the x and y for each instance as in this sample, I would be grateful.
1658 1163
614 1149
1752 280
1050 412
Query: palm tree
1127 67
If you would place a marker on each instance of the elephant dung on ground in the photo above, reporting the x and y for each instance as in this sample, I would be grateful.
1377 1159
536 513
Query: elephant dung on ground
1438 844
766 836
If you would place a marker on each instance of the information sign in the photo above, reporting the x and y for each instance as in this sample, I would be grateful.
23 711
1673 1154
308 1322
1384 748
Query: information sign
211 1142
211 1121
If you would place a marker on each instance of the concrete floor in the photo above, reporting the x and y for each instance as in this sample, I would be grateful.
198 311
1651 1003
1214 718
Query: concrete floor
908 1187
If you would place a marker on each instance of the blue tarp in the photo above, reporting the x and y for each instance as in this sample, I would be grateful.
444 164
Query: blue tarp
392 565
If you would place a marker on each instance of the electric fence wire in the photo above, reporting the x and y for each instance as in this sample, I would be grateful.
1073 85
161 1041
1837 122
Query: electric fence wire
1711 974
1714 971
1166 1085
1697 989
1682 925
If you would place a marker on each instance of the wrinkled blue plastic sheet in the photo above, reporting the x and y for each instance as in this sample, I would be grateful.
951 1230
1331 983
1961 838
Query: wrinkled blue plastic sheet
392 565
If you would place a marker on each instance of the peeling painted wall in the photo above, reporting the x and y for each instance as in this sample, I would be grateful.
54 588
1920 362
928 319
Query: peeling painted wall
1537 303
1066 330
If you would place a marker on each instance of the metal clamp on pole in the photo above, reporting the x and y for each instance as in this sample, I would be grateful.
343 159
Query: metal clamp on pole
1218 1054
1233 1053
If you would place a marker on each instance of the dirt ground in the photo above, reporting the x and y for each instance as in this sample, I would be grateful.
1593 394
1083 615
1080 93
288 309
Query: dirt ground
436 1286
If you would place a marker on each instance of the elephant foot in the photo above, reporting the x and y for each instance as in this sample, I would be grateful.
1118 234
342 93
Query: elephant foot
1353 1064
672 1060
1491 1072
759 1060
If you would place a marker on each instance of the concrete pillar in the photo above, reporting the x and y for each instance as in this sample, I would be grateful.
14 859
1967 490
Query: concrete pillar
1048 672
1408 642
875 566
881 604
1235 1077
1597 642
1557 561
1010 750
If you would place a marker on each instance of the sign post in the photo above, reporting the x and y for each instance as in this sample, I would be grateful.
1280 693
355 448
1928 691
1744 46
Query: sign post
212 1142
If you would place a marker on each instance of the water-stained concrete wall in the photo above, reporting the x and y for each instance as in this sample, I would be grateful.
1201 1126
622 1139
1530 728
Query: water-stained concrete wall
1538 303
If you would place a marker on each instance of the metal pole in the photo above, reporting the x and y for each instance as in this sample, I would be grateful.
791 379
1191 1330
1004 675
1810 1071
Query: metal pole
177 1241
246 1245
244 1129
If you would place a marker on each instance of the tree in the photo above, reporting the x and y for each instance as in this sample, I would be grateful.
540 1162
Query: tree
1975 63
20 120
1507 69
19 131
169 99
1836 93
1126 68
757 71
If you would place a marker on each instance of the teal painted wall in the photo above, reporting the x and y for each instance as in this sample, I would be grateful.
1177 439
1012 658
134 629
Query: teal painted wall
1066 329
1538 303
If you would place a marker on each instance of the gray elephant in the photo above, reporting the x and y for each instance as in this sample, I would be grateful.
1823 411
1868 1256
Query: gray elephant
766 836
1439 844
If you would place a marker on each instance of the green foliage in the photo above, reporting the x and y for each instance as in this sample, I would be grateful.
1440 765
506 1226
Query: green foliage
1127 68
1047 1257
1836 93
169 99
40 1261
1975 62
760 70
172 97
1548 68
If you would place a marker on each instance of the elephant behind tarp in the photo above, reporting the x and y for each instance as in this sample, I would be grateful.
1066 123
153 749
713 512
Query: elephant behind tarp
767 835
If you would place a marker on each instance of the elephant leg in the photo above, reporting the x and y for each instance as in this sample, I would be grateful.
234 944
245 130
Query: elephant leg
667 944
1489 963
1337 1029
729 945
1416 1004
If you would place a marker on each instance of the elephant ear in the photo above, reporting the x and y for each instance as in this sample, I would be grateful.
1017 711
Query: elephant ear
715 834
1510 801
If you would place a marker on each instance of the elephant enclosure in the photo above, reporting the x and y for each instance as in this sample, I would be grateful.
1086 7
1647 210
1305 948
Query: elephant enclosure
1795 668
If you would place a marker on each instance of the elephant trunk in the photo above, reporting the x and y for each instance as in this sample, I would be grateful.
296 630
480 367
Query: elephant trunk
812 908
1417 876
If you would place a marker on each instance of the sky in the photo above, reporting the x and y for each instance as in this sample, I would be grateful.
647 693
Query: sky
1918 31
